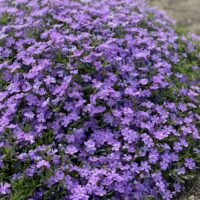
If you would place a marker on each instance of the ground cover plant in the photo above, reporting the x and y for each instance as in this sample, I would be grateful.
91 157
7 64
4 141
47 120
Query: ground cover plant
99 100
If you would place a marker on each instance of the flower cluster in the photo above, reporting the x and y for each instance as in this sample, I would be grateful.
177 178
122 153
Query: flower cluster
98 100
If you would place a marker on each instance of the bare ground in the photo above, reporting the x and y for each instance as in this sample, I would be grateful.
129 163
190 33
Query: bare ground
192 192
185 12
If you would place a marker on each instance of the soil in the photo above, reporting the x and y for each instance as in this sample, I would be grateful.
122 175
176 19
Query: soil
187 14
192 191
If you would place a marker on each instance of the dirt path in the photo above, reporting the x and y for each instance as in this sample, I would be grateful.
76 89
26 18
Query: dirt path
185 12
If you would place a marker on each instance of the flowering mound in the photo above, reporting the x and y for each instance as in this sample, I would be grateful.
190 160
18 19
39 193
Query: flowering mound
99 100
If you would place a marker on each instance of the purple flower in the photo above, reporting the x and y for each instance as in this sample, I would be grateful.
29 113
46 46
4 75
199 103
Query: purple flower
145 166
71 150
189 163
23 156
129 135
29 115
143 81
153 156
177 187
96 100
43 163
90 146
4 188
181 170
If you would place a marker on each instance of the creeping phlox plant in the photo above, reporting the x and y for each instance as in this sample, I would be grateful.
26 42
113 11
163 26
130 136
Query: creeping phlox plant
99 100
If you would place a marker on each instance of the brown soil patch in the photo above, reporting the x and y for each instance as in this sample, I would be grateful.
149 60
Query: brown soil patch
185 12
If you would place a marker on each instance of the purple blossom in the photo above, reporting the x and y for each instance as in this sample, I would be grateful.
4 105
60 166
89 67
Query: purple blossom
189 163
4 188
93 103
71 149
90 146
43 163
143 81
181 170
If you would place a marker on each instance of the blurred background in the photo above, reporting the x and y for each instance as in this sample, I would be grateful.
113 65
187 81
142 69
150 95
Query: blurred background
184 12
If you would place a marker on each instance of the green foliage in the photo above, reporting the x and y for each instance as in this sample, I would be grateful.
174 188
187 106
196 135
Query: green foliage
5 19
